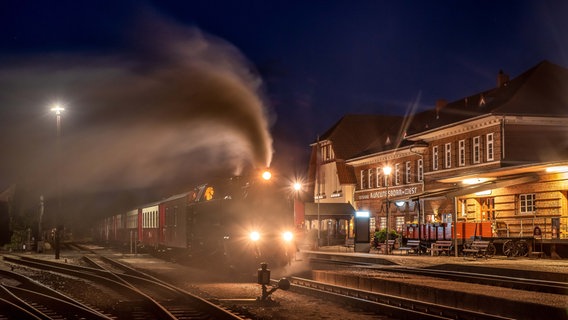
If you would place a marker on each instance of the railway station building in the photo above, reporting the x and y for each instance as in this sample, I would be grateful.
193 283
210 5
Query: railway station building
493 164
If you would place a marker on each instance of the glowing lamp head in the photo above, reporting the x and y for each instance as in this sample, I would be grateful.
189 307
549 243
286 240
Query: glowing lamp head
254 236
297 186
57 109
387 170
288 236
266 175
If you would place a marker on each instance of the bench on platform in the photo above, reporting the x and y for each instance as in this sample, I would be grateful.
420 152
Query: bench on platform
441 246
349 244
383 246
478 248
536 254
411 246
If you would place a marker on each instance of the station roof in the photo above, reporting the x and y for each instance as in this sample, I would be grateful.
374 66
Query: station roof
329 210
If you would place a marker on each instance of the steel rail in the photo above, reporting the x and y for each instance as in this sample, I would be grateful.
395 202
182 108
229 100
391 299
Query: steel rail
156 308
217 311
132 279
389 305
49 297
488 279
519 283
10 309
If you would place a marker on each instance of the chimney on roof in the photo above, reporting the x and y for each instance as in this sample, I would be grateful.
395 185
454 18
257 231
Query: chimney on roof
440 104
502 79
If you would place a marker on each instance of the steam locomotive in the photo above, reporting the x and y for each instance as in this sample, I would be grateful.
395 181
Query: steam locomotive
238 223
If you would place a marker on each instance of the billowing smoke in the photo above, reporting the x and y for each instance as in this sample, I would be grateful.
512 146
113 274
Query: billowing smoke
178 104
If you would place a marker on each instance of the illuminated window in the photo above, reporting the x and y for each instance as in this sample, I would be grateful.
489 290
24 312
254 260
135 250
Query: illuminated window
420 170
378 177
489 147
448 155
363 180
399 224
461 153
408 172
397 174
383 222
476 152
435 158
463 207
372 224
527 203
327 152
371 178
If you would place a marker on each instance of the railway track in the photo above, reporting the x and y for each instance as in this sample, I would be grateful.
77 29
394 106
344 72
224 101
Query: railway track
384 304
24 298
519 302
520 283
143 296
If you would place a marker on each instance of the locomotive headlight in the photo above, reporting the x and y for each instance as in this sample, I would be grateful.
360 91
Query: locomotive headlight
254 236
288 236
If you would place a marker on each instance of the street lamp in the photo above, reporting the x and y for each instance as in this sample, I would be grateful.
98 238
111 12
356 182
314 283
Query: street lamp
58 111
297 186
266 175
387 171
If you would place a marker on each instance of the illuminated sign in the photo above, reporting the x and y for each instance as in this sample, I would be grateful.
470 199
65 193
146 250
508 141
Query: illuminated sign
393 192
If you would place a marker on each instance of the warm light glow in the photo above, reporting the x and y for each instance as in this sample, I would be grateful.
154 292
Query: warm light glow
474 180
483 193
297 186
288 236
557 169
399 203
254 236
57 109
266 175
387 170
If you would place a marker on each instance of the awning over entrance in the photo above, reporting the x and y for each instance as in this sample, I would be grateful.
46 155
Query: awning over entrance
457 192
329 210
434 194
496 184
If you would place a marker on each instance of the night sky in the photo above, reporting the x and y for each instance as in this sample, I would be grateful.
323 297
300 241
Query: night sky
162 94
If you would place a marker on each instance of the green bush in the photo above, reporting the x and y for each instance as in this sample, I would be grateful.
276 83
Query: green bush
381 236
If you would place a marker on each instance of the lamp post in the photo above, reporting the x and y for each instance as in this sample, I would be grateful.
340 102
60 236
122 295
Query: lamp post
387 171
58 111
297 186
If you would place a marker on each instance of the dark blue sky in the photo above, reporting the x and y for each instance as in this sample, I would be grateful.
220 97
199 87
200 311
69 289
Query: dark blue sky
317 60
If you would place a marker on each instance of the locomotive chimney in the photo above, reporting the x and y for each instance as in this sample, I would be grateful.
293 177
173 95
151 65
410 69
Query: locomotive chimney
502 79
